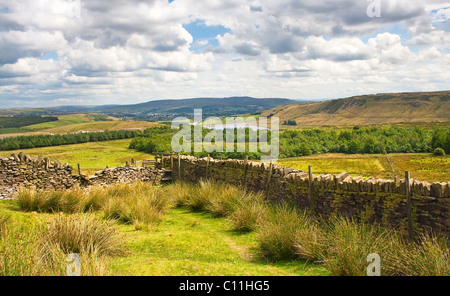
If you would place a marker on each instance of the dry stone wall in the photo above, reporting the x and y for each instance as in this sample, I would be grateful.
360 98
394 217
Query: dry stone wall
367 200
20 170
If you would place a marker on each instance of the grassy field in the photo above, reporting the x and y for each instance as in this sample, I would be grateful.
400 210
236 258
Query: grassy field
93 156
183 244
206 229
195 244
424 167
62 121
74 123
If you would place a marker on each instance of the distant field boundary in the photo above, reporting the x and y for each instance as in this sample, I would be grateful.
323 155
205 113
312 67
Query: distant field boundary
367 200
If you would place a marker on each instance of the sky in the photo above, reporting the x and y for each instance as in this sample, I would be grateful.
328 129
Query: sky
76 52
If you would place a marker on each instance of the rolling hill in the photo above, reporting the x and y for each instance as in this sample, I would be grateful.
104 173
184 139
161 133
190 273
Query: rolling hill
171 108
369 109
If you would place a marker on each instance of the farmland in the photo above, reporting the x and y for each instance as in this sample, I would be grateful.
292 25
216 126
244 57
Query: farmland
92 156
424 167
74 123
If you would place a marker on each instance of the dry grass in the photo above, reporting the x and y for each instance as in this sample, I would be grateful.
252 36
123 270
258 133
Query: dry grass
277 235
343 247
140 204
40 250
84 234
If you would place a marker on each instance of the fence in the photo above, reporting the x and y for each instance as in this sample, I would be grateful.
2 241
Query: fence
407 204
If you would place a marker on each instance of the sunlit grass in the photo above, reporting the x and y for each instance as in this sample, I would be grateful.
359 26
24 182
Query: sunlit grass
424 167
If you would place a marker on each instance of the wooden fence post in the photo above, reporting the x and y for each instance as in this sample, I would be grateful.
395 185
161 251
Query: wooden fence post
244 177
171 163
207 167
269 177
409 204
312 201
79 170
179 166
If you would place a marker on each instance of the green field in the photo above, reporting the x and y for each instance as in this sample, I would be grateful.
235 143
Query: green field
185 243
424 167
93 156
97 155
62 121
74 123
196 244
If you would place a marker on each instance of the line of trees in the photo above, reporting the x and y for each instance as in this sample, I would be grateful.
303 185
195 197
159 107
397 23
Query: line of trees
159 139
376 140
294 143
21 121
26 142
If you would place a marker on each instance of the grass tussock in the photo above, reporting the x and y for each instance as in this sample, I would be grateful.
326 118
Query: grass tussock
140 204
84 234
277 235
51 201
39 249
250 212
244 210
343 247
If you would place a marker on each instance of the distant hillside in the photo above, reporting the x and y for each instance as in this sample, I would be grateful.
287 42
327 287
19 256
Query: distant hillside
369 109
210 107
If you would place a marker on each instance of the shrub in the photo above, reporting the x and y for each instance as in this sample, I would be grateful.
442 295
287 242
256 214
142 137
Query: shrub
439 152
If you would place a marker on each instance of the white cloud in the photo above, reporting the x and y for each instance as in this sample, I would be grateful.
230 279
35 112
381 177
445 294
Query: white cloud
134 51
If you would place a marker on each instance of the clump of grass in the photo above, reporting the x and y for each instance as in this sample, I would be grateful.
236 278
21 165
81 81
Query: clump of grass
140 204
93 200
432 256
311 242
199 198
50 201
277 234
178 193
244 210
249 212
349 244
4 221
225 201
429 256
84 234
25 250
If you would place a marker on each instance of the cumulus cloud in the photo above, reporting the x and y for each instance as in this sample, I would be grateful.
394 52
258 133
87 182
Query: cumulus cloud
134 51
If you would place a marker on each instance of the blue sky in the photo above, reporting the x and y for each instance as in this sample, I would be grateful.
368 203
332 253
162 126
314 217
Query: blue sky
202 32
116 53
